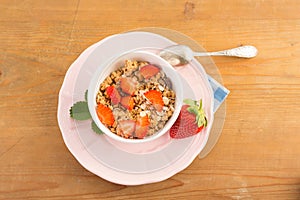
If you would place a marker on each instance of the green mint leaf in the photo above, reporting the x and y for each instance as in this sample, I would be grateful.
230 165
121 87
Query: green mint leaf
95 128
80 111
190 102
86 95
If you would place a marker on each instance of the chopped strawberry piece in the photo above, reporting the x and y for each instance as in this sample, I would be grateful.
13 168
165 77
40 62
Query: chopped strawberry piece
113 94
105 115
126 127
127 102
155 97
141 131
148 71
142 127
143 121
128 85
109 90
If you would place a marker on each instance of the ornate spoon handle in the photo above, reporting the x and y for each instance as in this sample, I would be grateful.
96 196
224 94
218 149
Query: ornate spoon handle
242 52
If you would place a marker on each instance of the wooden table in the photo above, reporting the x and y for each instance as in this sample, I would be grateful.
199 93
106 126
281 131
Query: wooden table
258 153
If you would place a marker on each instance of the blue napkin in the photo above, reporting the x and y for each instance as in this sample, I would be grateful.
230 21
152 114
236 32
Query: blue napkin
220 92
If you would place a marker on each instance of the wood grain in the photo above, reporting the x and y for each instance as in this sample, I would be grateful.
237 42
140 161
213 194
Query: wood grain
257 156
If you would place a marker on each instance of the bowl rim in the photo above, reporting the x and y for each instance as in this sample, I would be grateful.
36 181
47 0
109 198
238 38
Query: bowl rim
96 81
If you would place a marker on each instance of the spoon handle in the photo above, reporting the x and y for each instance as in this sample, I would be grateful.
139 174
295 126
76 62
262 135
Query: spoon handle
242 52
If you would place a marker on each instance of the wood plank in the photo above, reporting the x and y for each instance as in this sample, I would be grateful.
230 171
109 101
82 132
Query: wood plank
257 155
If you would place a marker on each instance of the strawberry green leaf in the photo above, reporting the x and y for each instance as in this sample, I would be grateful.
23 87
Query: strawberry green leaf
200 104
193 110
197 119
95 128
201 119
201 122
190 102
205 121
80 111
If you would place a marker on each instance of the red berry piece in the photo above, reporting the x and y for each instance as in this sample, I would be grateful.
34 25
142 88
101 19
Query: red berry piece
142 127
105 115
113 94
148 71
128 85
155 97
126 128
127 102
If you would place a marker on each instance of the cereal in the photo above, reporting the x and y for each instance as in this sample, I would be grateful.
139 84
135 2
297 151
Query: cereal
145 100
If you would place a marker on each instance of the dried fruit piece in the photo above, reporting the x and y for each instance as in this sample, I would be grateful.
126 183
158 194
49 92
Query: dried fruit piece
128 85
155 97
126 127
143 121
105 115
113 94
141 131
148 71
142 126
127 102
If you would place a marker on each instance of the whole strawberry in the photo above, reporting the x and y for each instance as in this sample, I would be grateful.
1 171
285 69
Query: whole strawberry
190 121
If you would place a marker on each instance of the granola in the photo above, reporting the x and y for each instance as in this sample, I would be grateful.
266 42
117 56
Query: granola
140 98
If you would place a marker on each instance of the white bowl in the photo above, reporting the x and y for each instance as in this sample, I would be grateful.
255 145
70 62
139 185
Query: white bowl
104 71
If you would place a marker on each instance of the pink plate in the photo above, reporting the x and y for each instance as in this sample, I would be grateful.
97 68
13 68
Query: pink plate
129 164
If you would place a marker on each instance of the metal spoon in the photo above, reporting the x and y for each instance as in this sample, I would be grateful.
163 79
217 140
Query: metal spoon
178 55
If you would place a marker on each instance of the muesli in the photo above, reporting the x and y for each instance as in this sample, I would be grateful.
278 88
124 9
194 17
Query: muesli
136 100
